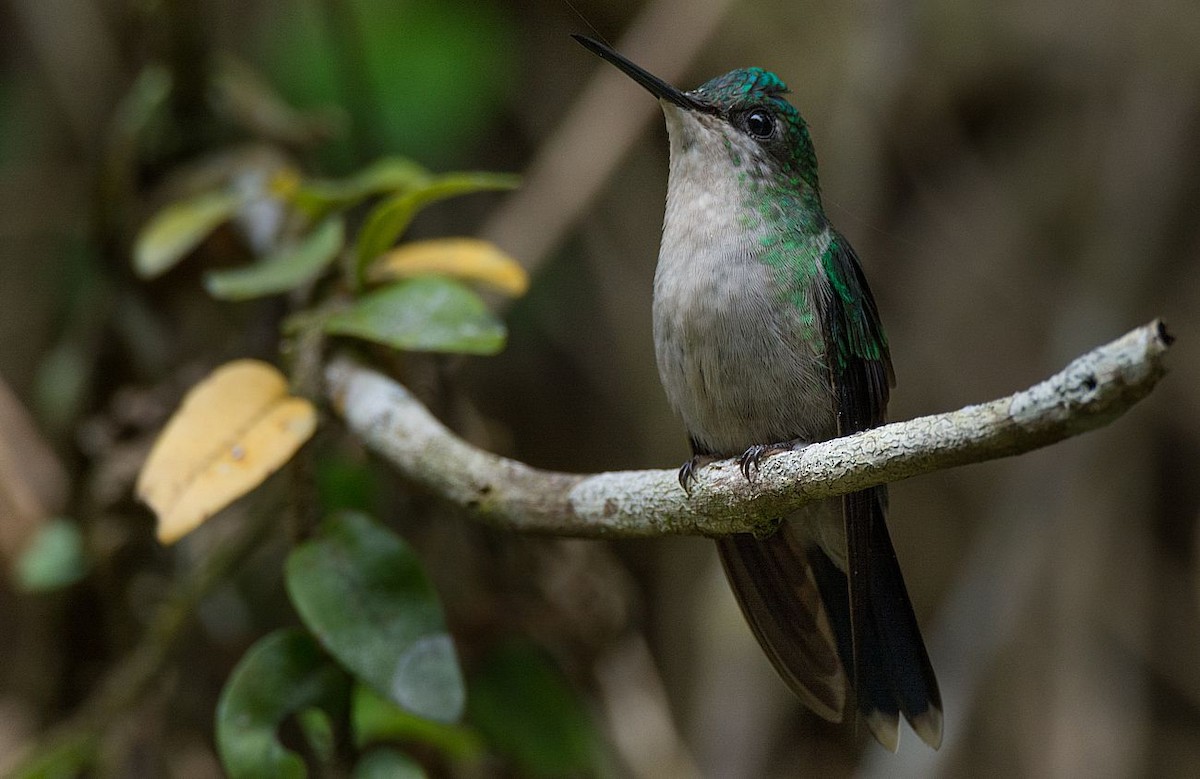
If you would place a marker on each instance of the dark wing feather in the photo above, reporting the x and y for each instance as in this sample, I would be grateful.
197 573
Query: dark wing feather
858 349
883 627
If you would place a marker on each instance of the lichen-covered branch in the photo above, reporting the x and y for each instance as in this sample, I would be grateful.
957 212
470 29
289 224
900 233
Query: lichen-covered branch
1090 392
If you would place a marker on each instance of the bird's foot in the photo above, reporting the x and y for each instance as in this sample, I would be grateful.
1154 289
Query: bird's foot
687 471
753 457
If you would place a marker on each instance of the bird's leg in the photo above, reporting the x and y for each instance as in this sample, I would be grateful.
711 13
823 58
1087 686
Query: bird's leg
752 457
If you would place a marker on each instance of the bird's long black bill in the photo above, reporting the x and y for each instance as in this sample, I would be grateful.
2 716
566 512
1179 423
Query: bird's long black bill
653 84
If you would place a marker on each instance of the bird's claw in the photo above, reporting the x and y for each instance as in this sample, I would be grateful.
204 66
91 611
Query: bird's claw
687 471
751 458
748 462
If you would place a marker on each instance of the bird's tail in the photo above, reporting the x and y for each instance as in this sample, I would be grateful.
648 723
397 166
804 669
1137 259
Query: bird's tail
776 588
797 603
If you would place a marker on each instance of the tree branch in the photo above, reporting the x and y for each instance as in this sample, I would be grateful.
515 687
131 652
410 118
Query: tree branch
1089 393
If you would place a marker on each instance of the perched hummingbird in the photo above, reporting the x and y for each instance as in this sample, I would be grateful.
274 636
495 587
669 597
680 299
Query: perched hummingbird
767 339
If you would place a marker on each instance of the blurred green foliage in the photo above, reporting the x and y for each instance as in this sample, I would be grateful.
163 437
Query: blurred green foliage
433 74
377 720
528 710
387 764
54 559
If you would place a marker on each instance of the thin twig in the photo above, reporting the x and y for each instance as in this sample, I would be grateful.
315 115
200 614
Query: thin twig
1089 393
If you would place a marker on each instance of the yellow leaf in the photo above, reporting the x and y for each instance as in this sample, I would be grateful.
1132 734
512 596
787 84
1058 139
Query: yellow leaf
469 259
233 430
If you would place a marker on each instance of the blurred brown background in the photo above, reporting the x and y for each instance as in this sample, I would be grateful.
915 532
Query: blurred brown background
1022 181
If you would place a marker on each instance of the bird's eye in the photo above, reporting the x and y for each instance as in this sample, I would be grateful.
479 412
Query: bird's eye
760 124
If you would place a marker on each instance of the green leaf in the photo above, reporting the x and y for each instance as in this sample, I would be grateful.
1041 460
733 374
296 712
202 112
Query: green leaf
388 764
283 673
528 711
54 559
390 174
375 719
317 727
178 229
388 220
428 314
361 590
282 270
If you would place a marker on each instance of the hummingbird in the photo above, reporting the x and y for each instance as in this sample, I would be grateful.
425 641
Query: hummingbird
767 338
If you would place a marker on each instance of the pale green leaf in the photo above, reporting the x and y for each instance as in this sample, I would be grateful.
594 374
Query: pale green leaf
387 175
282 270
388 764
317 727
429 314
178 229
388 220
375 719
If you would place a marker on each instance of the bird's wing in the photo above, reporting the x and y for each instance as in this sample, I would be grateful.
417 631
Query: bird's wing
891 671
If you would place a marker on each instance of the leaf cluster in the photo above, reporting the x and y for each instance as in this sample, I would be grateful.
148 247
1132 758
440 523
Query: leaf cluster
373 672
300 223
378 664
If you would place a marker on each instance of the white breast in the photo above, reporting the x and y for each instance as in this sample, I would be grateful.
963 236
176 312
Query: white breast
736 360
